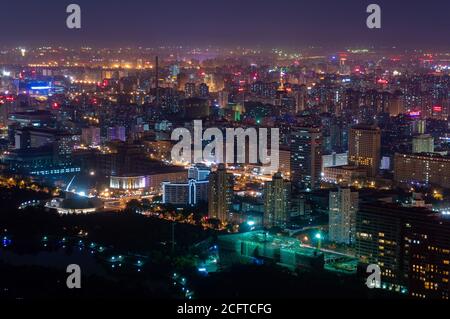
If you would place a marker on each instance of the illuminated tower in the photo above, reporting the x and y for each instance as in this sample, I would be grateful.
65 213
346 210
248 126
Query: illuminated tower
364 148
276 201
220 194
343 205
306 157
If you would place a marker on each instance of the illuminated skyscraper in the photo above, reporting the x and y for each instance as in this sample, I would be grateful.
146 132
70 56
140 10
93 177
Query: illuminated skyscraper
276 201
343 205
306 157
220 194
364 148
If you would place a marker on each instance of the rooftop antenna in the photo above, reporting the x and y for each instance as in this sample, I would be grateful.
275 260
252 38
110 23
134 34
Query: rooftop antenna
157 79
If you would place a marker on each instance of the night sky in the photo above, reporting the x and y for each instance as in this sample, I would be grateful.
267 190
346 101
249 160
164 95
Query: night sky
282 23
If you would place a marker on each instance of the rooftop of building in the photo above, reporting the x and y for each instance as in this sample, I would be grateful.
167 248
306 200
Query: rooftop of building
347 168
423 155
155 170
395 210
366 127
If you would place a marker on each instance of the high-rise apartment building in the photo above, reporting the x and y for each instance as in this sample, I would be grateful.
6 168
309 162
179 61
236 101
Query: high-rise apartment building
220 194
343 205
277 195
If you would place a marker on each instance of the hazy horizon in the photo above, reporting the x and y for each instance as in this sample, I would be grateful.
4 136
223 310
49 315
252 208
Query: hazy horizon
249 23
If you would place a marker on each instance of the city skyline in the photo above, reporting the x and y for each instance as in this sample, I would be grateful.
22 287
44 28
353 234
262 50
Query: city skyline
210 150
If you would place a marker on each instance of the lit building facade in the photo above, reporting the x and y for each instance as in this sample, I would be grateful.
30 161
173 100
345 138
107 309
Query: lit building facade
190 193
411 246
364 148
306 157
426 169
277 197
343 205
423 144
220 194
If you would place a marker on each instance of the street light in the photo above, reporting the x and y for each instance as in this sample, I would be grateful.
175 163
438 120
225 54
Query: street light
318 236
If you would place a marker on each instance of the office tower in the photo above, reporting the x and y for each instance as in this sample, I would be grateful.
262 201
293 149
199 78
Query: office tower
203 90
411 246
425 169
116 133
190 193
223 99
306 157
189 89
423 144
326 121
90 136
220 194
364 148
63 148
277 195
343 205
339 135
